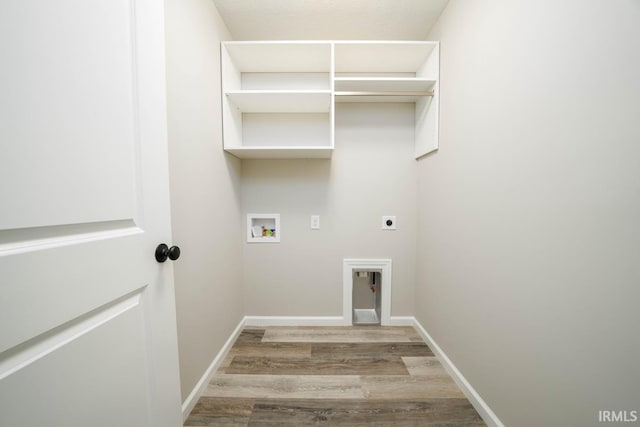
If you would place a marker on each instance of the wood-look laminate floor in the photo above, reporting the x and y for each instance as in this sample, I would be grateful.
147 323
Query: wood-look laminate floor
332 376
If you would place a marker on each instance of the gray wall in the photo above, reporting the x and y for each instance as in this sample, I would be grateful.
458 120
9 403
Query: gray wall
528 225
372 173
205 188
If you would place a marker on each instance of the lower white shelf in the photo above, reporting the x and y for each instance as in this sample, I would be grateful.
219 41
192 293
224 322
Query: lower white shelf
281 152
264 101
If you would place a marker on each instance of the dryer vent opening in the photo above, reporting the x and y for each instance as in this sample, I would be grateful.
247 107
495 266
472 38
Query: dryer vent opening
367 290
367 297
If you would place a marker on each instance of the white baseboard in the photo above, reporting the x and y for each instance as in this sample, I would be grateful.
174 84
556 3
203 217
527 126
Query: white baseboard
316 321
294 321
489 417
402 321
192 399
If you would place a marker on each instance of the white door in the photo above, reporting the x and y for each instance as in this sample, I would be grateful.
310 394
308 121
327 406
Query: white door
87 316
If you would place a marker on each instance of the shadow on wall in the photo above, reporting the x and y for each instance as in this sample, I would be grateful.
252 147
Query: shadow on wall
310 174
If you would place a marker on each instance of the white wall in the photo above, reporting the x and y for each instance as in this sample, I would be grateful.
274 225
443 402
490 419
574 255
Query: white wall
528 225
205 188
372 173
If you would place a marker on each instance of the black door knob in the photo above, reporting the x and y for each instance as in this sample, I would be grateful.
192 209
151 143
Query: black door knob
163 252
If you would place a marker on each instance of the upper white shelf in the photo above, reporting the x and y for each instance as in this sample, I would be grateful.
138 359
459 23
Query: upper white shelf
381 57
274 101
275 57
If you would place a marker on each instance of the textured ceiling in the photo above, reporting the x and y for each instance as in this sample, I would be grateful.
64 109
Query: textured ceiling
330 19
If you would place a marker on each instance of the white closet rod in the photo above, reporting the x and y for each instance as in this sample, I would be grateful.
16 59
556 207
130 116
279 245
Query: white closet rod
428 93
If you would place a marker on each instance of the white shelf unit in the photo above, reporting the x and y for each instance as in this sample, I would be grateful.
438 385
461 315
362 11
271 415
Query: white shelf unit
393 71
277 99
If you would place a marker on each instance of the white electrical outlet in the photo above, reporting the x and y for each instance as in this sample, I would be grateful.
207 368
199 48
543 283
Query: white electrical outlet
315 222
389 222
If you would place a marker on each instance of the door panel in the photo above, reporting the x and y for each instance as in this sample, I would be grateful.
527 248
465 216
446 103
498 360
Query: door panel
77 388
67 77
87 316
71 279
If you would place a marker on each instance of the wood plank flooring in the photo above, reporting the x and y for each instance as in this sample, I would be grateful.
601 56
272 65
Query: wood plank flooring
332 376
